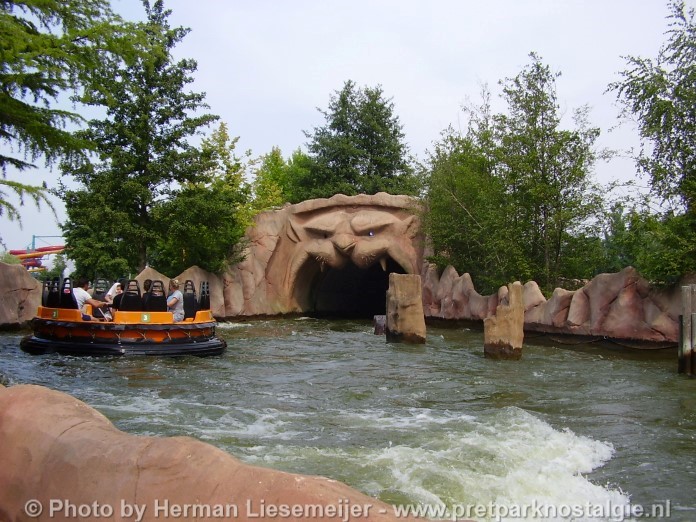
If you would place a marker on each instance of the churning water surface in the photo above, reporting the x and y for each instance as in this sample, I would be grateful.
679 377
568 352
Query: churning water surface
608 429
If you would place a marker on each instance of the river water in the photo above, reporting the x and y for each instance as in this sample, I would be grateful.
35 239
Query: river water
606 429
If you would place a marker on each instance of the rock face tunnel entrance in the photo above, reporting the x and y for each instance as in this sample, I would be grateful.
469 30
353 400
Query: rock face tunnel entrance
349 291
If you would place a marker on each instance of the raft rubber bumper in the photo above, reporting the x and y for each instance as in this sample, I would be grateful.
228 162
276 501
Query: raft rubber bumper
205 347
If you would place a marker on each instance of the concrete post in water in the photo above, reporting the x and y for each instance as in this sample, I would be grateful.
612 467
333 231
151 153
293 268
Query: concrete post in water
687 329
405 318
692 359
503 333
380 324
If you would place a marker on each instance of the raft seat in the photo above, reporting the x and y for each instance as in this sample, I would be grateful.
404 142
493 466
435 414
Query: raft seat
157 298
59 314
130 298
67 298
101 287
190 301
52 293
204 315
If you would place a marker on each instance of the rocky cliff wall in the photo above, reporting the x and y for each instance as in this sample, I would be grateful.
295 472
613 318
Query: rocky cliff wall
620 306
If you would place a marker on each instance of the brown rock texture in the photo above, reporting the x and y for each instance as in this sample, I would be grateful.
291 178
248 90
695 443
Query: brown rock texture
451 296
620 306
20 295
503 333
405 319
59 452
288 248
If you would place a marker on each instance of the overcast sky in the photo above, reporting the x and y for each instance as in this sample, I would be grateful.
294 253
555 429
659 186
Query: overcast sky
267 65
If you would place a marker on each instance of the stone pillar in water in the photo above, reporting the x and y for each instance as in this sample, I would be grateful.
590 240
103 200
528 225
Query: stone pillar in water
405 318
503 333
380 324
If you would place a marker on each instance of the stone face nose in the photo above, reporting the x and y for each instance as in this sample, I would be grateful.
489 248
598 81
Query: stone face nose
344 242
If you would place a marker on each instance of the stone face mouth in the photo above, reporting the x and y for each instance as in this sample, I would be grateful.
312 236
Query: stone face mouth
324 283
362 238
326 255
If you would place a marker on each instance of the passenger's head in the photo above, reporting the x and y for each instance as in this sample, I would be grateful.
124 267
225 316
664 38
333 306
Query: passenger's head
82 282
174 284
147 284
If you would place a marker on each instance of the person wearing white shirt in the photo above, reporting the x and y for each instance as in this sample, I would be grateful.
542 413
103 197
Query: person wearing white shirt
175 301
82 296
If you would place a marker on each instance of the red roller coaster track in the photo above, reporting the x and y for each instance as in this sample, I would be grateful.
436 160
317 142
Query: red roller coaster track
31 258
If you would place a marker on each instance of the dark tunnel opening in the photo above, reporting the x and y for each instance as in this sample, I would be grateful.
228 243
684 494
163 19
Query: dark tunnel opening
348 292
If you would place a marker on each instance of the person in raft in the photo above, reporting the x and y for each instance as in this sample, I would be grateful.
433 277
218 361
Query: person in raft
115 290
82 297
175 301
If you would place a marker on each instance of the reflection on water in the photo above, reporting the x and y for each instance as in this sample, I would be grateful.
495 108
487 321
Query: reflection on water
435 423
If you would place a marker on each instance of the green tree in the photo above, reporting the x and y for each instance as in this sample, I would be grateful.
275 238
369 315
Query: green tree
360 148
467 214
144 155
202 225
468 217
298 170
661 95
204 222
58 270
513 198
547 170
270 181
6 257
48 48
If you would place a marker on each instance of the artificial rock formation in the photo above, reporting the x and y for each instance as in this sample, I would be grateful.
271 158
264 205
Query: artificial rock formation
325 255
20 295
503 333
405 319
56 451
619 306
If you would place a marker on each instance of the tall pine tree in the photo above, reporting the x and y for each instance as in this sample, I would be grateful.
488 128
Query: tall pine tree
360 148
48 49
144 155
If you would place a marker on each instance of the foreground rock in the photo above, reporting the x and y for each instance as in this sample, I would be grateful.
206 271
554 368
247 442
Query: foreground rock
405 319
503 333
64 456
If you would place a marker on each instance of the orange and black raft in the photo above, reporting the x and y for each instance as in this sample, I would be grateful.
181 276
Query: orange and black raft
140 326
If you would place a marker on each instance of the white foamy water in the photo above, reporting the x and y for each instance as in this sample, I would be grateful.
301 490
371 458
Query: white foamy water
510 458
228 325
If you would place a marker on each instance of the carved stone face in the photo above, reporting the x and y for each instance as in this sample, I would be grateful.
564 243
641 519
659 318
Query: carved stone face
328 255
361 236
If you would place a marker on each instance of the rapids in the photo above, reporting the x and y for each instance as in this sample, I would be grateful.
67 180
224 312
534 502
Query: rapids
436 425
